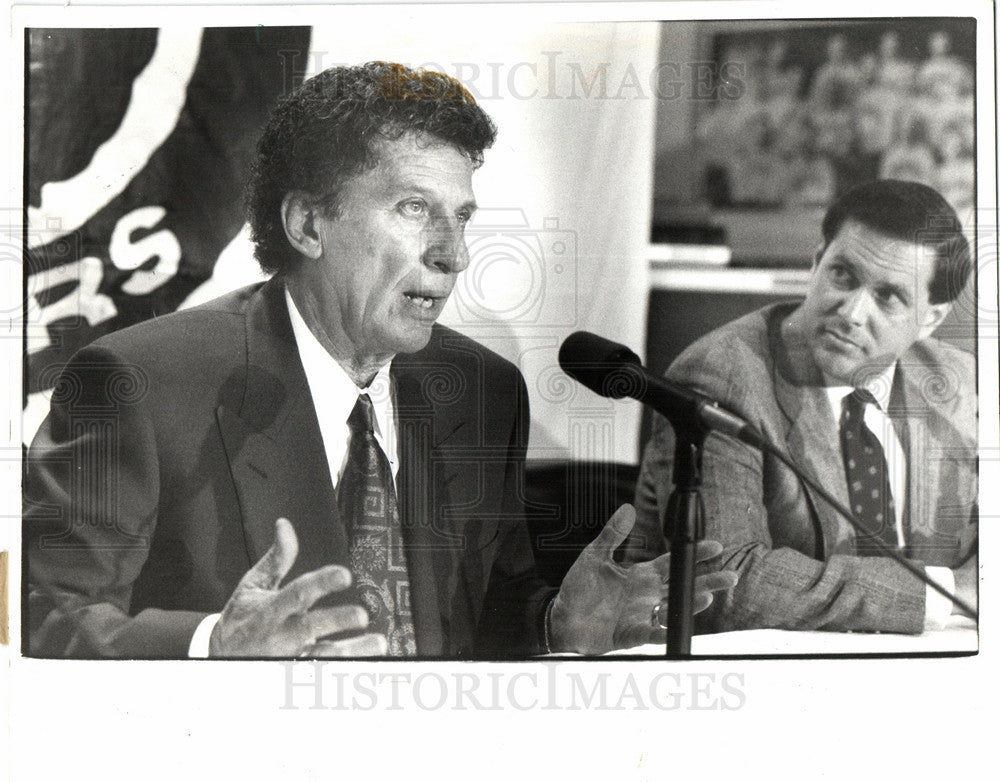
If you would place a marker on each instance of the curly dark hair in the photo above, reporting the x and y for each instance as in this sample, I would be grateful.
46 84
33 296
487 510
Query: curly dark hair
326 131
914 213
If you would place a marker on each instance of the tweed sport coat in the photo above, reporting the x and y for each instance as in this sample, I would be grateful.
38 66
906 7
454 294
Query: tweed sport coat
794 553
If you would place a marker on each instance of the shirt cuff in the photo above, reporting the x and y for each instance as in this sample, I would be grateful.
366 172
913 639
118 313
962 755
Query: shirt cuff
937 608
198 648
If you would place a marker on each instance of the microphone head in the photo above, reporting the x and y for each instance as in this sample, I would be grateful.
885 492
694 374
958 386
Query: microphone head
605 367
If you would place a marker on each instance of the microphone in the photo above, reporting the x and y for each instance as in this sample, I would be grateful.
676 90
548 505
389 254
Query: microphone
612 370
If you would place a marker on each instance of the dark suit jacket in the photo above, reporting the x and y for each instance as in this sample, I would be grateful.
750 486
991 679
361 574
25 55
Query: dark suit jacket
171 448
795 554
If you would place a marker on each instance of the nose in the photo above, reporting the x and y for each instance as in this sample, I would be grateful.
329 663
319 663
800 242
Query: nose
445 248
856 306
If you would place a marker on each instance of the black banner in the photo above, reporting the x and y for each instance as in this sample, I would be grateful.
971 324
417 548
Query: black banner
137 147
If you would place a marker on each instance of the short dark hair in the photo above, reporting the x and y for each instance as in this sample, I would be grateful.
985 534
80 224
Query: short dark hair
326 131
914 213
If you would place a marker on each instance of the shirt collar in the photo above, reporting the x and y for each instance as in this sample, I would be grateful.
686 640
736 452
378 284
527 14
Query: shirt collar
327 377
880 387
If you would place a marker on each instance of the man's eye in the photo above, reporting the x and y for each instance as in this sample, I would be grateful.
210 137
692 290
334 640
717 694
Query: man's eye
888 299
840 275
413 208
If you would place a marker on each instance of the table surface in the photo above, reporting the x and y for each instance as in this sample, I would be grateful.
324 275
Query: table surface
959 636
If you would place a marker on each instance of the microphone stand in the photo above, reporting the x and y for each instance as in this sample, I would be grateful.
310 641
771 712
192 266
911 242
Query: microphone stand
683 526
612 370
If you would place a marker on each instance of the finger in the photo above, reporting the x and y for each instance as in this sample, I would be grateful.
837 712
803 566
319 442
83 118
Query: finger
662 566
704 586
297 596
658 619
706 550
277 560
338 619
716 582
615 531
367 645
639 635
652 630
702 600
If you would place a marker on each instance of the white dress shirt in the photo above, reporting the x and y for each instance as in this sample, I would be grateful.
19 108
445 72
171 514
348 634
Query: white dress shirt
937 607
334 395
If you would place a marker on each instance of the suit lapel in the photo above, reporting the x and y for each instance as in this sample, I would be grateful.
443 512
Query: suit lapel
274 445
937 530
278 463
811 437
433 550
896 411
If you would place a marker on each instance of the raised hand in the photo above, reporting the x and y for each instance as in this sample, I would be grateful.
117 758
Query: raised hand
602 606
263 620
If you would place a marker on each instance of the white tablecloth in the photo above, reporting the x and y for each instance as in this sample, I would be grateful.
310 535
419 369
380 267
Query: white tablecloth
959 636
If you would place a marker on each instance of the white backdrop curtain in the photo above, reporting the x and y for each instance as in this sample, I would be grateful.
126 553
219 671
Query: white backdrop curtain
559 244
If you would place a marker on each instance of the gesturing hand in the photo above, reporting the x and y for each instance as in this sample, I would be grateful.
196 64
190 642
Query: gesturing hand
261 620
602 606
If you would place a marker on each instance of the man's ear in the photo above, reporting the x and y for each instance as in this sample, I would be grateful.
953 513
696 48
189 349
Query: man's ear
933 316
298 216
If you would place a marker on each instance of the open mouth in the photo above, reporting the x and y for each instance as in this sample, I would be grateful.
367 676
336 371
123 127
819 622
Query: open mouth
424 302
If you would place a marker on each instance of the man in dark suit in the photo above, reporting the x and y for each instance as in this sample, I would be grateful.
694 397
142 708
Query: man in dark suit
857 352
313 466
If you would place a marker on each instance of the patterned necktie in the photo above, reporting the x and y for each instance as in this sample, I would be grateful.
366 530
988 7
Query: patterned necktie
366 499
867 476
